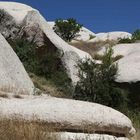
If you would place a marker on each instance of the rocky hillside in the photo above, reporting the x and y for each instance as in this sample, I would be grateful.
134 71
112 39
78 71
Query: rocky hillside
24 24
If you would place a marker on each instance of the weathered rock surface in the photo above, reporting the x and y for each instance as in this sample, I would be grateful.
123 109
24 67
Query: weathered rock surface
129 64
68 115
28 18
110 36
82 136
13 77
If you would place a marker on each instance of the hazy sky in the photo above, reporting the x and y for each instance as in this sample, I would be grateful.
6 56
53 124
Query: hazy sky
97 15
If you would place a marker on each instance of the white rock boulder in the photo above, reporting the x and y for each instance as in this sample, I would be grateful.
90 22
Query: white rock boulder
13 77
68 115
129 65
82 136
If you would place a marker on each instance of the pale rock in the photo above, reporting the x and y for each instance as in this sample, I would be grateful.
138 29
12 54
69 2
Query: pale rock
129 64
111 36
26 16
13 77
68 114
84 136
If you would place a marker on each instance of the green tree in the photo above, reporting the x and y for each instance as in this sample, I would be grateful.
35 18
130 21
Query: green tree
67 29
136 35
96 82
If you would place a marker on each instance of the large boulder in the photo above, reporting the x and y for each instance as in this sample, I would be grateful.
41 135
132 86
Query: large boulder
68 115
82 136
129 64
13 77
26 19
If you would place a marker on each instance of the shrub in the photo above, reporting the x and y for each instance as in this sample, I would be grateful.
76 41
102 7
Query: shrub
91 36
116 58
67 29
96 82
136 35
27 54
47 64
126 40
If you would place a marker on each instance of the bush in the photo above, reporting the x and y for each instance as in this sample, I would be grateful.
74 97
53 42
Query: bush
126 40
27 54
47 64
91 36
67 29
97 82
136 35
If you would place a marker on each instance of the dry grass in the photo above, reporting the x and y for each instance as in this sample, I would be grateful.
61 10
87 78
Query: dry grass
17 96
12 89
21 130
137 136
3 95
92 48
46 86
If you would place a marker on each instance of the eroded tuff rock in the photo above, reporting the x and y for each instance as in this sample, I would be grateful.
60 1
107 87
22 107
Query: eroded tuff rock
68 115
28 20
13 77
128 64
82 136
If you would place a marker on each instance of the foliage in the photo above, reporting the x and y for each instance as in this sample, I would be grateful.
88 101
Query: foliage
126 40
47 64
27 54
91 36
67 29
96 81
136 35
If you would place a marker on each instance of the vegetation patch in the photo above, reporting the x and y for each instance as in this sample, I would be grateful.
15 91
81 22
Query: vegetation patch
96 82
23 130
67 29
44 63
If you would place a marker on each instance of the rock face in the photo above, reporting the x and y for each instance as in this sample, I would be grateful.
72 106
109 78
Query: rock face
81 136
129 65
111 36
68 115
13 77
26 19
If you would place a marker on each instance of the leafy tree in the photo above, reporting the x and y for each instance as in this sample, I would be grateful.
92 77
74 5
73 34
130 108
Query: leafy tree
67 29
96 82
136 35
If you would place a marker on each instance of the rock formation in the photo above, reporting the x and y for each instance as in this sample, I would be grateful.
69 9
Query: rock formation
68 115
13 77
25 20
111 36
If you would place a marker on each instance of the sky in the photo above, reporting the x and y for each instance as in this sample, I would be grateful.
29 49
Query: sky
96 15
